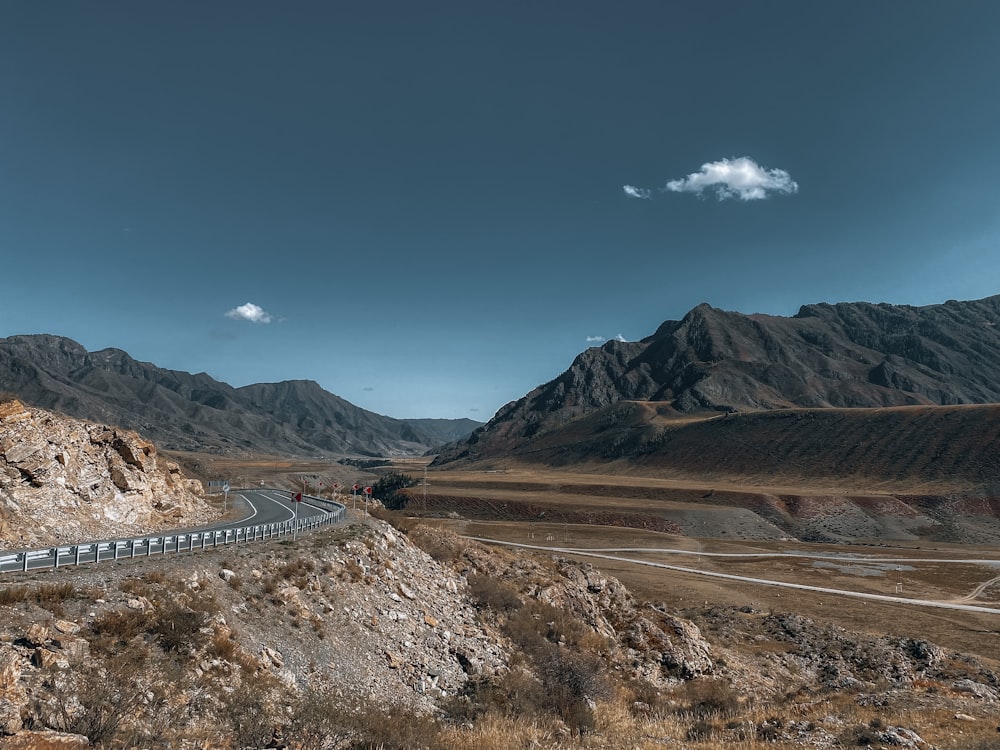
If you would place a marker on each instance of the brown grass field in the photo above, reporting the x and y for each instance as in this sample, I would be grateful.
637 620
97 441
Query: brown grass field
543 506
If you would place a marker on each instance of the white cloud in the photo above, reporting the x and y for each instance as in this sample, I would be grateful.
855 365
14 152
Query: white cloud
636 192
602 339
741 178
251 312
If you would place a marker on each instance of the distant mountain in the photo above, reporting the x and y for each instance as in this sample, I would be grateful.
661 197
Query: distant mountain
181 411
843 355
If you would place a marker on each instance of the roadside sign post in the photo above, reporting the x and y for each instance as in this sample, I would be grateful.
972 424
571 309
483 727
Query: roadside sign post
296 499
225 497
354 494
368 492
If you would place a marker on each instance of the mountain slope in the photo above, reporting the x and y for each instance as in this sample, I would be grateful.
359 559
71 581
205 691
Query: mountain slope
847 355
182 411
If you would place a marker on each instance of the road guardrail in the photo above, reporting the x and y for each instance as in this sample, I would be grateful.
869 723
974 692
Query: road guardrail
182 541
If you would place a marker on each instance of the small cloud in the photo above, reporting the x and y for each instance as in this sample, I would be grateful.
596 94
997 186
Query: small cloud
741 178
473 408
222 335
595 339
619 337
368 388
251 312
636 192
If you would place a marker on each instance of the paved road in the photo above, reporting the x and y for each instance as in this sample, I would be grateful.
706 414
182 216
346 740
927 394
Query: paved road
267 514
265 506
748 579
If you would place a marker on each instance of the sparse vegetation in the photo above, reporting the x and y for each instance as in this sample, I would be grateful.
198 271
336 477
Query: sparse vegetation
389 489
48 596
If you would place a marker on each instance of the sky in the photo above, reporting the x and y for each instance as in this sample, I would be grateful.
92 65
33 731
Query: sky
431 208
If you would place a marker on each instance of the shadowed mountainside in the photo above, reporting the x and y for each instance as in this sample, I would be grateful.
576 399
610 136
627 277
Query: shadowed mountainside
181 411
848 355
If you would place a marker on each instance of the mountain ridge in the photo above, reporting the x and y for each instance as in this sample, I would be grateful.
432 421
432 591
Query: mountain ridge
181 411
844 355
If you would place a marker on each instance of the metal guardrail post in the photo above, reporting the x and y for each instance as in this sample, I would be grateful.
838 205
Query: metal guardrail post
25 560
78 554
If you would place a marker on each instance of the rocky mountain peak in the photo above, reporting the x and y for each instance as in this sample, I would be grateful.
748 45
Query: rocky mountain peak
845 355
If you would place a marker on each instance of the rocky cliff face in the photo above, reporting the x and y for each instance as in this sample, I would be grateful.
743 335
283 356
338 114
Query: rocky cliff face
845 355
63 479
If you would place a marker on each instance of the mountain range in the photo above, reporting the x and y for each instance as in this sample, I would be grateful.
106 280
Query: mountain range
847 355
181 411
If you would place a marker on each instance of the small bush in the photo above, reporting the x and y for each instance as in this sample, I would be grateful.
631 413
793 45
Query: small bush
223 647
319 721
42 594
706 697
396 729
249 714
389 489
701 730
486 591
115 628
178 629
100 699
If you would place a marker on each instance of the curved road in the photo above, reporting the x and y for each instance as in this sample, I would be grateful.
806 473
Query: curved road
761 581
265 506
269 514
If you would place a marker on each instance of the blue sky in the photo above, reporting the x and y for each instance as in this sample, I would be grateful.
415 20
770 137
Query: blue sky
432 207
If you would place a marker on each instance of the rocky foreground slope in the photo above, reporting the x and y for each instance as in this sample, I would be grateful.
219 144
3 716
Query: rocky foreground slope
66 480
364 636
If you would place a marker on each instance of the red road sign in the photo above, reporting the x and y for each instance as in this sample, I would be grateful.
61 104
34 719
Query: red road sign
356 487
298 497
368 490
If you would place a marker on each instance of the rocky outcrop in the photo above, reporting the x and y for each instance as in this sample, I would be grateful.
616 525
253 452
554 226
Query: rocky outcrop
63 479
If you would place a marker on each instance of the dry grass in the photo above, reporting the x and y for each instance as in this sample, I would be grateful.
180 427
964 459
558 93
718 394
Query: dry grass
48 595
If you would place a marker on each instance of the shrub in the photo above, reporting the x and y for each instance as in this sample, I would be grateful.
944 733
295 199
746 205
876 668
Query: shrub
318 721
116 627
388 489
178 629
222 646
706 697
42 594
486 591
98 699
248 714
395 729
